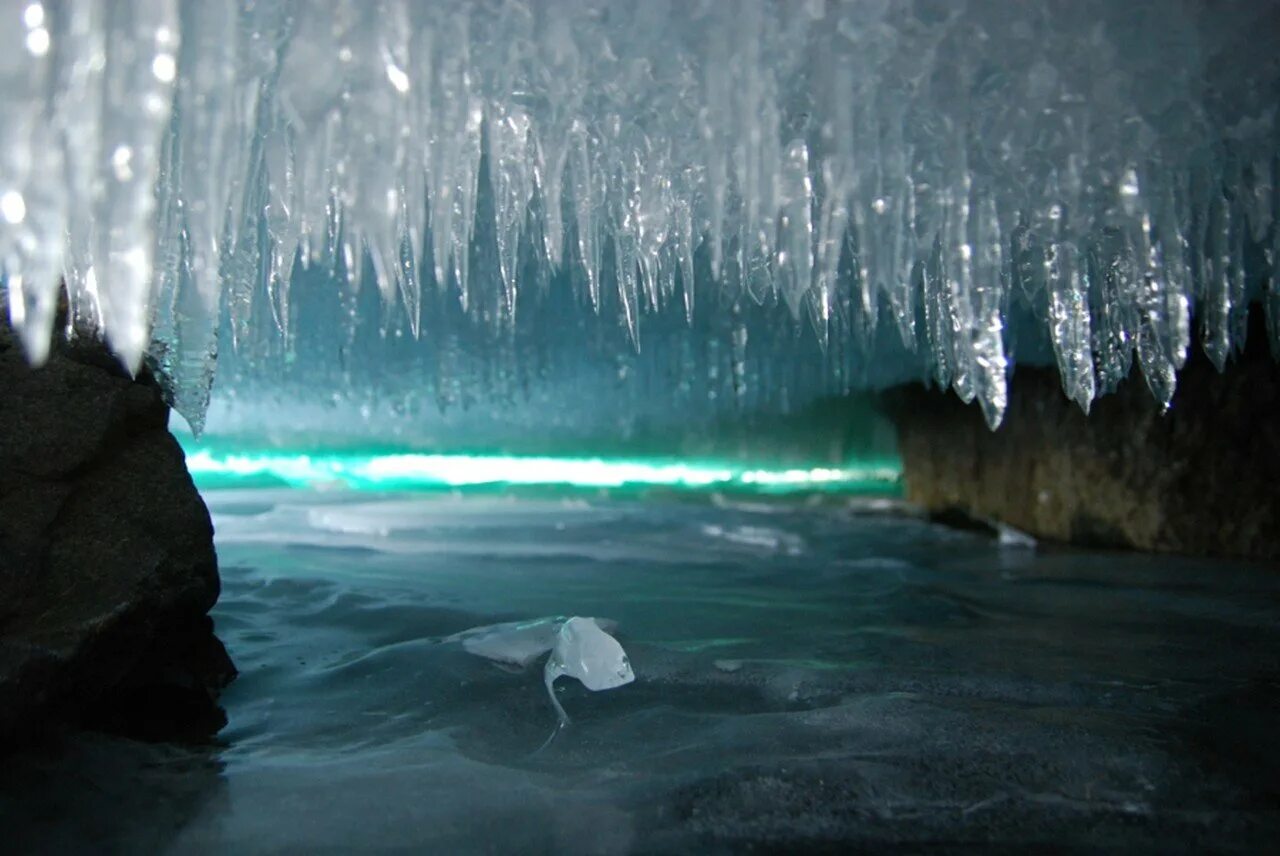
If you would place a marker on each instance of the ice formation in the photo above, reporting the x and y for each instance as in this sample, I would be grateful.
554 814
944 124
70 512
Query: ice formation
928 170
584 650
518 643
580 648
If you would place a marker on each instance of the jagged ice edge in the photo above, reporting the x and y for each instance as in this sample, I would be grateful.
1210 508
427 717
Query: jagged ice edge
1111 169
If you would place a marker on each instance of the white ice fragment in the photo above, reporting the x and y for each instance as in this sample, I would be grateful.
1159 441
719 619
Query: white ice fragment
517 643
1008 536
580 648
583 650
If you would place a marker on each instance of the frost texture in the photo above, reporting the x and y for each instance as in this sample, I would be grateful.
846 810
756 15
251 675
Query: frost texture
929 167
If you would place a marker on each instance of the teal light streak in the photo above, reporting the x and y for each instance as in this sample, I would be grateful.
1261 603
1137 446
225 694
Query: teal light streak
410 471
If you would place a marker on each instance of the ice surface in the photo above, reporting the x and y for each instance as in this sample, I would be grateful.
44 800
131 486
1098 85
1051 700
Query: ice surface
758 537
920 171
896 687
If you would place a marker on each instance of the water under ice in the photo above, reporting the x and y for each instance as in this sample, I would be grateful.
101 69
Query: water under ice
925 171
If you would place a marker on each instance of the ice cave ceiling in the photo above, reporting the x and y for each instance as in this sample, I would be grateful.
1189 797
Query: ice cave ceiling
757 198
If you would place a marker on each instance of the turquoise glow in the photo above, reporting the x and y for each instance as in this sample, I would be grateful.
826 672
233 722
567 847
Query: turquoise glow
416 471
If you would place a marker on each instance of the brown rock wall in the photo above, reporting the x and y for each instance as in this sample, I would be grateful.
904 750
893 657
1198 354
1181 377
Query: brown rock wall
1202 479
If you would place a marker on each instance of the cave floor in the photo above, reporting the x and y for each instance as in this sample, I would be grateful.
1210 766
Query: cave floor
809 677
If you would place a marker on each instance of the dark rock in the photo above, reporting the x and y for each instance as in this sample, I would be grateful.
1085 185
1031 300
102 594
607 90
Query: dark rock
1201 479
107 567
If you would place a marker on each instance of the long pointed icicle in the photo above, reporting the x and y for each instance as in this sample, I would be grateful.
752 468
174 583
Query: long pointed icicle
889 179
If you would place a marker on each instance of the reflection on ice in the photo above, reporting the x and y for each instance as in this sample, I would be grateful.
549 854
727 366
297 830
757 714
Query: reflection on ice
1009 536
761 537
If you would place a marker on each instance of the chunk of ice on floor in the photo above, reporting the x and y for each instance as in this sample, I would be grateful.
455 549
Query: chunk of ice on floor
1008 536
519 643
583 650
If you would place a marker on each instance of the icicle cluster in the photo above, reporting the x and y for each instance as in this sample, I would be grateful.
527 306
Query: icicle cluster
927 165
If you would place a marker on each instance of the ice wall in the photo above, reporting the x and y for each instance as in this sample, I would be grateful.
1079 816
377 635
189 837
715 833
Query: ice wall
928 167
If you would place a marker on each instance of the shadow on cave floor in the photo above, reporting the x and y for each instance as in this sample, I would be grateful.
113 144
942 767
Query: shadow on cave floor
807 678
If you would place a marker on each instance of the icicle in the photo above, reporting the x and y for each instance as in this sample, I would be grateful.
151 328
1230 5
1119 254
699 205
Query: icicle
512 190
684 249
795 249
903 294
141 65
202 141
32 210
1069 320
585 205
624 252
1215 310
1143 264
959 284
990 364
80 35
713 123
173 158
938 315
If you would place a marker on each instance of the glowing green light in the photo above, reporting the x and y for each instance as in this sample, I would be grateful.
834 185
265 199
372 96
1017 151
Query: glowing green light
464 470
410 471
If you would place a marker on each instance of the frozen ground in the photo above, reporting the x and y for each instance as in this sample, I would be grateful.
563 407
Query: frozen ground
806 677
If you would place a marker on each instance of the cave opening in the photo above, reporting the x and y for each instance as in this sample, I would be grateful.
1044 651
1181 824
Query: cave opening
606 427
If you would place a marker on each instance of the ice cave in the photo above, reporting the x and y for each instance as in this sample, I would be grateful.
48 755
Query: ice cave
639 426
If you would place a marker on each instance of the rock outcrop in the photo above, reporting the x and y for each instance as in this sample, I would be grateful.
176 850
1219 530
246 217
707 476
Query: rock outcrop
1201 479
107 566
